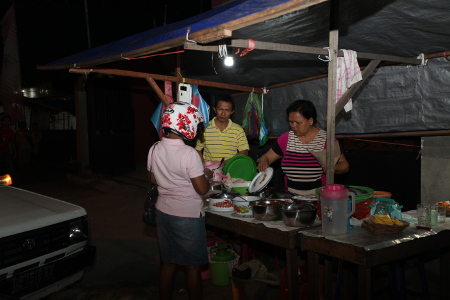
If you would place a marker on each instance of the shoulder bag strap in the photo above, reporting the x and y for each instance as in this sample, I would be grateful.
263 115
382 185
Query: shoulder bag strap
150 185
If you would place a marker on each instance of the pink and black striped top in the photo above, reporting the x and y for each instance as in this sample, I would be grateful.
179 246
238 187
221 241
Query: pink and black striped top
302 169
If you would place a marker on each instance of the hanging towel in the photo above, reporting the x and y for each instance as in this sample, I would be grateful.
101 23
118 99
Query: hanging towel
348 73
198 101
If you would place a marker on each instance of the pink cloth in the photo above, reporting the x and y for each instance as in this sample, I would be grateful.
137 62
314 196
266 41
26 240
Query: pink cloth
168 94
174 164
348 73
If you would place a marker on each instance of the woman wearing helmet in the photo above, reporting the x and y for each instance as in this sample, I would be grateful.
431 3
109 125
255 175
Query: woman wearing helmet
178 171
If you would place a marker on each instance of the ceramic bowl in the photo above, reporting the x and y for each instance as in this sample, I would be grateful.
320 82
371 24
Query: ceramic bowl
241 205
221 201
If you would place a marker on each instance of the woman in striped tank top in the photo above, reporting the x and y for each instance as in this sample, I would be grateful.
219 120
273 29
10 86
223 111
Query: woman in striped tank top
303 171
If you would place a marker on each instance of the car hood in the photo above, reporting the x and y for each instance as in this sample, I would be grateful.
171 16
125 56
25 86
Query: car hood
22 210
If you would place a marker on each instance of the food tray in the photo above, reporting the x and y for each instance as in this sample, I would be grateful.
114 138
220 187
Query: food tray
369 225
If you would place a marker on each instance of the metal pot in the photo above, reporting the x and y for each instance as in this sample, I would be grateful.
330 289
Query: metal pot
266 210
299 214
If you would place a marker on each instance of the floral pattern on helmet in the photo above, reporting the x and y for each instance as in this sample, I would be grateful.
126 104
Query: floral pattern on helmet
182 119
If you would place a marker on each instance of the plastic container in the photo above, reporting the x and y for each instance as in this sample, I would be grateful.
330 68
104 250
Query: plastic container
241 188
240 166
219 260
334 202
362 201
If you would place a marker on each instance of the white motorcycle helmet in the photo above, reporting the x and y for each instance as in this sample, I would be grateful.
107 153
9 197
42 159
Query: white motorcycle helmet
182 119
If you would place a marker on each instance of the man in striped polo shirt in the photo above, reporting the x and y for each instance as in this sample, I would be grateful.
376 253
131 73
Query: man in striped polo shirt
223 137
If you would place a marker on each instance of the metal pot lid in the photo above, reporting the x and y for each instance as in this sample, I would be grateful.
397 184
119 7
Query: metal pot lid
305 198
281 196
261 180
299 206
223 195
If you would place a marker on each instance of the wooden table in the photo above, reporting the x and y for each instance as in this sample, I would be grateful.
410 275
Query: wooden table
366 259
289 240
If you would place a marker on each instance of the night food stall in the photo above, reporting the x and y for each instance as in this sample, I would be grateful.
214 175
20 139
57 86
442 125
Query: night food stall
284 39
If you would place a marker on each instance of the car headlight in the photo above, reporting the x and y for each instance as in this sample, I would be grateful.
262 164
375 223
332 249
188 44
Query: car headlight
77 231
5 179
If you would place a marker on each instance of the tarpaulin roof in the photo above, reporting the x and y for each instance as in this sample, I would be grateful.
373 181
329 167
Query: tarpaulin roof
404 28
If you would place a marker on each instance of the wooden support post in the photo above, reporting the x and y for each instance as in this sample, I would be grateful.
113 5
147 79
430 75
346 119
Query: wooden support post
332 79
158 90
332 75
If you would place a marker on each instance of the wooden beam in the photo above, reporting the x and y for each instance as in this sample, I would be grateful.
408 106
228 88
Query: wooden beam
158 91
321 51
352 90
168 78
395 134
303 50
207 36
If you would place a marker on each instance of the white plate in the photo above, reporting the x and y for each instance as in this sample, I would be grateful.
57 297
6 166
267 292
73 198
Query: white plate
221 209
261 180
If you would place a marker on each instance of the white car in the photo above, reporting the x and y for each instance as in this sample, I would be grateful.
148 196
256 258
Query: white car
43 244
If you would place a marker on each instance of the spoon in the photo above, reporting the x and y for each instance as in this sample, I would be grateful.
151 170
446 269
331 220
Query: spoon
243 198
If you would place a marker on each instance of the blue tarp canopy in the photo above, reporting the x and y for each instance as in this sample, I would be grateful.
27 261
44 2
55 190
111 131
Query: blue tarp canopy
403 28
211 24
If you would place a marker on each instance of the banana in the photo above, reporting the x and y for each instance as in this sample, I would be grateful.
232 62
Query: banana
386 220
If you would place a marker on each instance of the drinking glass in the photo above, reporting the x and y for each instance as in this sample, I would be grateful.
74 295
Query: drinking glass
433 214
441 213
423 215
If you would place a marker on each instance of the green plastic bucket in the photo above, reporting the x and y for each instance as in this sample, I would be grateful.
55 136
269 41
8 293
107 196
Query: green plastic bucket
220 272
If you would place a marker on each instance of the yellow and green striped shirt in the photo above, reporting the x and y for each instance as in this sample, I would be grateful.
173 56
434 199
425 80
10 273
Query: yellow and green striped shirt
224 144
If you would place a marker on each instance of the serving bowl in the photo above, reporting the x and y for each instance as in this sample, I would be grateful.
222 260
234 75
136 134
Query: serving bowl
240 187
242 206
267 210
299 214
221 201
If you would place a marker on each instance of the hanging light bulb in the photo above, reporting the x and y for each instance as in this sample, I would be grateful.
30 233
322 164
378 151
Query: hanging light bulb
229 61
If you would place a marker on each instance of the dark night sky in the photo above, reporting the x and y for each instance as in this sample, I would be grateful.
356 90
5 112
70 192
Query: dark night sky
52 29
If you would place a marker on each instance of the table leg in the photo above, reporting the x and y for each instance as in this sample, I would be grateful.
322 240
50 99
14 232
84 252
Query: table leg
444 270
313 268
363 282
327 278
292 273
